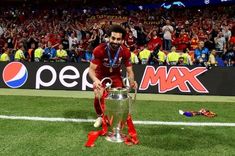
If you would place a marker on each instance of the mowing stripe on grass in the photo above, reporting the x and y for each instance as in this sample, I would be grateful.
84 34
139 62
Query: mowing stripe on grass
215 124
140 96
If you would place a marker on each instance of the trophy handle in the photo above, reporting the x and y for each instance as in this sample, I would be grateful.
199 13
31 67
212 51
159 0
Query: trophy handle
126 84
135 95
107 85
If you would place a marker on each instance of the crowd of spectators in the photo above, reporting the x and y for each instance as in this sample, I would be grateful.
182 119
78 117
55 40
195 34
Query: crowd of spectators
186 36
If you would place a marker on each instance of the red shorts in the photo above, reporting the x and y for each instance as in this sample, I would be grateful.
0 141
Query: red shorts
117 81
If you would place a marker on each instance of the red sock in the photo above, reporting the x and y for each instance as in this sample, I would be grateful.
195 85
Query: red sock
97 103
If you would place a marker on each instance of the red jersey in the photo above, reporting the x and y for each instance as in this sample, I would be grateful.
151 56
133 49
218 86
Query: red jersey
184 40
232 40
175 41
101 59
154 42
130 41
84 44
194 43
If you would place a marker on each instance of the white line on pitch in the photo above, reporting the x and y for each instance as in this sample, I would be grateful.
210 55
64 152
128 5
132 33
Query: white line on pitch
216 124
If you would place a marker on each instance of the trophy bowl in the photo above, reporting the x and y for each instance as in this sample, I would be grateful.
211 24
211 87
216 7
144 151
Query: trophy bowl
117 109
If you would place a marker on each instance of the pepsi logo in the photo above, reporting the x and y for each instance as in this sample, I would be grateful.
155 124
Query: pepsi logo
15 74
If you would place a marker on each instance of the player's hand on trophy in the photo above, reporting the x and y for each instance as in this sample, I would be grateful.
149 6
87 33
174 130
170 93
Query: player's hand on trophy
134 85
97 84
98 88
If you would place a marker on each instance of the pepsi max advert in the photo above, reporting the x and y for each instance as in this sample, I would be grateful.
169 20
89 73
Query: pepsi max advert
150 79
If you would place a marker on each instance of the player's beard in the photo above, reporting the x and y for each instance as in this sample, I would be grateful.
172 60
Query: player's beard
114 46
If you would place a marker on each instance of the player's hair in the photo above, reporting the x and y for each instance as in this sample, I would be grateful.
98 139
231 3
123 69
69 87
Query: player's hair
117 29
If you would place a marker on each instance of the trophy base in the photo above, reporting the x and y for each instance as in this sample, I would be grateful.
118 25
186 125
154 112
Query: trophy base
112 137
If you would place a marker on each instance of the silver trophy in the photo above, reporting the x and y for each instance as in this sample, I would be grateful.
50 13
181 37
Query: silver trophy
118 104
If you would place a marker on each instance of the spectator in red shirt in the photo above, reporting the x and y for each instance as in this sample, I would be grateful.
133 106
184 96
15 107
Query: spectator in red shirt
130 40
183 40
201 35
154 40
194 42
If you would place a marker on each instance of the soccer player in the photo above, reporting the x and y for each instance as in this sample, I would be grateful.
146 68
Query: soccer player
106 62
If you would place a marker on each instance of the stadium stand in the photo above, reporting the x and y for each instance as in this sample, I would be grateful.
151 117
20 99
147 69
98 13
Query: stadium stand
80 29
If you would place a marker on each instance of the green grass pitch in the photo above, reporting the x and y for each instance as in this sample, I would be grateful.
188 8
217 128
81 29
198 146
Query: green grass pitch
20 137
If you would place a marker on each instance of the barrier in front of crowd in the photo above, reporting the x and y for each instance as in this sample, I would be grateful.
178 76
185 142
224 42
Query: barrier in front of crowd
151 79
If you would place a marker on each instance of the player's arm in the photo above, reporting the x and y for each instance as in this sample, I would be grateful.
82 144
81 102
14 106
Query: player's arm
96 82
129 69
131 77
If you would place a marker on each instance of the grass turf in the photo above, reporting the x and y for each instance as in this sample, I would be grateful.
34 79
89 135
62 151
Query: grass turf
46 138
